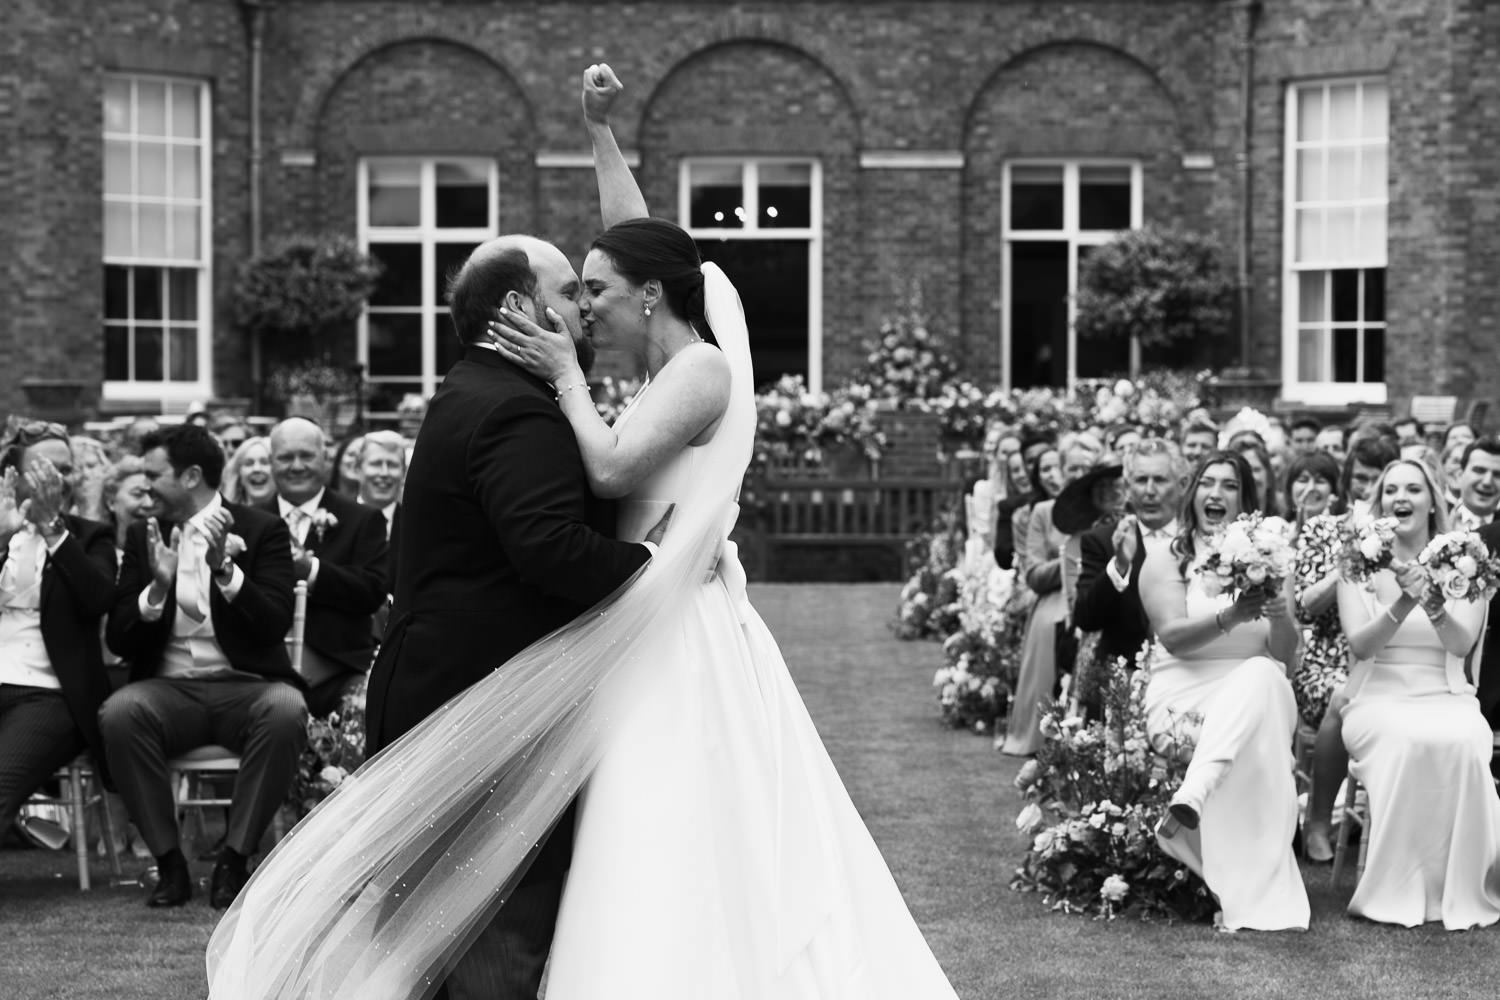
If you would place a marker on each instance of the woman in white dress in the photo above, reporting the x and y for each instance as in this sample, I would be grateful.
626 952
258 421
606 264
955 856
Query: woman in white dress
1218 691
717 852
1414 731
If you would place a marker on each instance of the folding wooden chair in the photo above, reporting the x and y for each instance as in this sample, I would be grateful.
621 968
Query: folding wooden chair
1356 809
81 790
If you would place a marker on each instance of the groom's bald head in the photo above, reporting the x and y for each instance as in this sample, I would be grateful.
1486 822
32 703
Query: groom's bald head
539 275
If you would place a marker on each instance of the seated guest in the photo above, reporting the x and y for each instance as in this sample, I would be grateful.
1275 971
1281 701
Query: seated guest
57 580
340 549
1333 441
1198 439
201 612
91 464
346 465
1219 691
1312 490
382 474
1262 469
1367 459
247 476
1414 731
1478 485
127 497
1304 434
1025 490
1110 556
1459 433
1408 431
232 431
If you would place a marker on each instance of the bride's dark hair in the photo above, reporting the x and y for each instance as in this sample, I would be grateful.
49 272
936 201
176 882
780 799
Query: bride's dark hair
646 249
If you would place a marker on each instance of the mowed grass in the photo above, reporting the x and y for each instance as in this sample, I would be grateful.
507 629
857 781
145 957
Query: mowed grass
940 804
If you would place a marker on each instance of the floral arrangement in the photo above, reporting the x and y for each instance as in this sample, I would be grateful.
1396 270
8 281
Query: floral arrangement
1156 403
1459 564
1366 547
1251 555
906 362
1094 796
335 749
982 662
612 395
796 425
929 604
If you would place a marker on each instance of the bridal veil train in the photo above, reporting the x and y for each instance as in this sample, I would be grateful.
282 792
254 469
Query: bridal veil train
718 852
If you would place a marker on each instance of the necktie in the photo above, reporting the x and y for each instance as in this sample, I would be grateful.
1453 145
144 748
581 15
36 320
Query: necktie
295 519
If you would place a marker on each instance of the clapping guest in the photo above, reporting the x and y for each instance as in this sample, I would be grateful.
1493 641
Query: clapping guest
346 466
1198 438
1332 440
1414 731
127 497
383 474
232 431
1218 690
247 476
91 464
1366 460
1458 433
202 611
1478 485
340 549
57 578
1313 492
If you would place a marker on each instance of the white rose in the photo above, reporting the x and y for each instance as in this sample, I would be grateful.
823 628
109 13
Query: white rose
1114 889
1467 565
1124 388
1098 820
333 775
783 418
1117 831
1370 547
1255 573
1029 817
1455 585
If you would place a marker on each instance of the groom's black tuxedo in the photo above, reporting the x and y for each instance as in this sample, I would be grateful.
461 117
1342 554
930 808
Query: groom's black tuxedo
499 542
1489 652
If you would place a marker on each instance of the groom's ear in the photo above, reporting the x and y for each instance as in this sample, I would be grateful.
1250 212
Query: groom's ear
523 304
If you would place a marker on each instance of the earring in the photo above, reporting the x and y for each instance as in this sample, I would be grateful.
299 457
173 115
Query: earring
648 310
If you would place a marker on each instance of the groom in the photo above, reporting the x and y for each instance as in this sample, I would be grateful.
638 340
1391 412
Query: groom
499 543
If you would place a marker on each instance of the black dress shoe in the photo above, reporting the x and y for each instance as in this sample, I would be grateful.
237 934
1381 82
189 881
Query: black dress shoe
174 884
227 881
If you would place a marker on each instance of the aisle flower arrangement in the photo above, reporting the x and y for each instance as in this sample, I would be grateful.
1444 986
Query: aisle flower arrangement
1094 795
982 660
335 749
906 362
929 604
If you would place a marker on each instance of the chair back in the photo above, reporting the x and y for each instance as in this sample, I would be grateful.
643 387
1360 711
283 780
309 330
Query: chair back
1434 409
299 625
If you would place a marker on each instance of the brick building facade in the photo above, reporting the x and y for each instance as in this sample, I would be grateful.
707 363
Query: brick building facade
1343 155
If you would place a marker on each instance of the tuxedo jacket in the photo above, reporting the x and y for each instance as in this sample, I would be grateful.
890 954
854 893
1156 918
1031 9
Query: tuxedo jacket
251 630
1489 652
499 541
1118 616
353 564
78 589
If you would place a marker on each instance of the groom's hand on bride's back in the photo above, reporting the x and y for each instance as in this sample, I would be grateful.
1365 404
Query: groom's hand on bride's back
659 529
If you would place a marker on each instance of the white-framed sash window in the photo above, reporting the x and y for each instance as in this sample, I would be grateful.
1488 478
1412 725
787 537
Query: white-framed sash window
1052 214
1334 250
157 246
761 220
420 216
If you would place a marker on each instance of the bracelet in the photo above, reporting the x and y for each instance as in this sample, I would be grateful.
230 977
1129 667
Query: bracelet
566 388
1219 621
1392 616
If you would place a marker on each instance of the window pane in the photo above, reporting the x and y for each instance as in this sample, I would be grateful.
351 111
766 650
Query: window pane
772 278
1372 172
1345 295
1039 313
1343 172
1372 231
182 293
151 169
116 105
1309 114
716 194
463 195
184 172
401 282
148 354
395 193
1310 181
1104 198
1309 234
150 107
185 232
1310 356
1341 239
151 230
1345 354
1376 113
1375 295
1343 122
185 111
116 292
384 397
449 350
395 344
1036 198
117 235
1103 356
183 355
447 258
148 304
785 195
1374 356
117 174
116 353
1312 297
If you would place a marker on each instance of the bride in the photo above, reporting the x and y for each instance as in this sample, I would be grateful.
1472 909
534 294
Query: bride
717 853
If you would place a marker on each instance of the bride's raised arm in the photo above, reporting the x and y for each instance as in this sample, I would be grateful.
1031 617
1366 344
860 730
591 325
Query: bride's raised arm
620 197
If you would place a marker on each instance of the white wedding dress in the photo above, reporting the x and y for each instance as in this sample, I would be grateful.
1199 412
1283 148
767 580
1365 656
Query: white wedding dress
717 855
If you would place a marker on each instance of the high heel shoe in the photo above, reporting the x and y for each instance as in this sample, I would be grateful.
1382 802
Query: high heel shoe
1317 844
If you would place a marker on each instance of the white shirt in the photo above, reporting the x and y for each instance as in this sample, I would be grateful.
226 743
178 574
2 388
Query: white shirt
23 653
303 526
1155 541
193 649
1465 519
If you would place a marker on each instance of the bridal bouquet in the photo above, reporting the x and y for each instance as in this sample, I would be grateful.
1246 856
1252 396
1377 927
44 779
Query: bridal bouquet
1367 547
1460 565
1252 555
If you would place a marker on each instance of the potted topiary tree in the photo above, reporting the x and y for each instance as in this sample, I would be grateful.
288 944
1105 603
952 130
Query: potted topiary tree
1154 288
298 296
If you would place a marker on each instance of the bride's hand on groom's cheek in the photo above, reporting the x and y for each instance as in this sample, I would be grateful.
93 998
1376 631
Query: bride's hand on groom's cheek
549 354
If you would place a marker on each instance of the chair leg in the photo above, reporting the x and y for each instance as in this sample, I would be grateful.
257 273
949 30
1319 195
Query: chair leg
1346 816
78 801
1366 825
110 843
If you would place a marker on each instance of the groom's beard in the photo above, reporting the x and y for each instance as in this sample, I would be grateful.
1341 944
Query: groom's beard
585 348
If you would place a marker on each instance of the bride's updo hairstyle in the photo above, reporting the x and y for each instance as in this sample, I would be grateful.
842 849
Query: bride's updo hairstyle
1183 546
649 249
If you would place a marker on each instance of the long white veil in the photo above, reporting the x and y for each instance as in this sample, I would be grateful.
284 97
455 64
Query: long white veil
384 886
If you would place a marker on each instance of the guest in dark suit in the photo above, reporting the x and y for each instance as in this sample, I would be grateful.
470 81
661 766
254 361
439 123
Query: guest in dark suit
1489 654
1109 599
339 548
57 581
201 612
382 471
500 542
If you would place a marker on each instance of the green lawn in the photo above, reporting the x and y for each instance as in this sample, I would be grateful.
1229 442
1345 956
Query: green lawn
941 805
